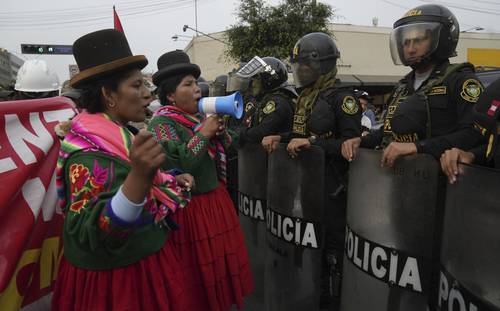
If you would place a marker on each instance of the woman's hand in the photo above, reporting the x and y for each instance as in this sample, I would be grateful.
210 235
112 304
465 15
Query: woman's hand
350 147
146 156
396 150
211 126
270 143
185 181
296 144
449 162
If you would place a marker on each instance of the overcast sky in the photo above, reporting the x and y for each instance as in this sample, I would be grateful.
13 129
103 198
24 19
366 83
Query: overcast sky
150 24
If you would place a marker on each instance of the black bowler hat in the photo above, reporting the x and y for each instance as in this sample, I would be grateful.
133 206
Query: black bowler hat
101 53
173 63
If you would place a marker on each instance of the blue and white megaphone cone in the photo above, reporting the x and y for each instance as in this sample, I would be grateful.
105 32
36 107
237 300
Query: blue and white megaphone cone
227 105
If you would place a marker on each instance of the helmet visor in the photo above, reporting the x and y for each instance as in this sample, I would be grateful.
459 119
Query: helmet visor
255 66
236 83
412 43
305 72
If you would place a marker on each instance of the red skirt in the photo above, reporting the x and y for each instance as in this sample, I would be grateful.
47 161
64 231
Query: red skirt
212 252
153 283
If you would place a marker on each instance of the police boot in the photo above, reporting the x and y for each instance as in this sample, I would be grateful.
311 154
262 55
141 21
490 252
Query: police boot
331 281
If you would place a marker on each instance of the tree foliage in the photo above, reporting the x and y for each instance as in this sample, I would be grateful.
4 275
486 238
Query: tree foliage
273 30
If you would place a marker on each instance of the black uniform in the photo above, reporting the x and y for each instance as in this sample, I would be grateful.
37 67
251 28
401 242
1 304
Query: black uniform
436 117
334 118
486 121
273 114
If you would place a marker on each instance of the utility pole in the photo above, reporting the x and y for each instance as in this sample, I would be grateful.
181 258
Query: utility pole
196 16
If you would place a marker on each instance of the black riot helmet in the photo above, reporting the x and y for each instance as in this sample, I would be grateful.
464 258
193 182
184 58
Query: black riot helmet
204 88
218 87
315 54
275 78
426 33
266 73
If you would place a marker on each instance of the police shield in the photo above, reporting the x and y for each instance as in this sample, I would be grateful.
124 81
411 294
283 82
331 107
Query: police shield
391 220
470 255
295 198
252 180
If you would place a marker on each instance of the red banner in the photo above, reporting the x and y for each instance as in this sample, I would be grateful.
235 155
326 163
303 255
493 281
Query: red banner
30 221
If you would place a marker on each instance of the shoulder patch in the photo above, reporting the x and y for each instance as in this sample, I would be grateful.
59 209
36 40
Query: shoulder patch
471 89
269 107
249 106
349 105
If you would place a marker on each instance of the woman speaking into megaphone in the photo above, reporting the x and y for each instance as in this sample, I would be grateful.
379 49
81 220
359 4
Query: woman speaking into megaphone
209 236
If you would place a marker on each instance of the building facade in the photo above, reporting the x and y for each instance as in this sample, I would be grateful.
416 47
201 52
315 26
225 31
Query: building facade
9 66
365 59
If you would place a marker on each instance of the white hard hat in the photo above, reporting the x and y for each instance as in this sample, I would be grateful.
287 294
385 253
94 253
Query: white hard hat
154 105
35 76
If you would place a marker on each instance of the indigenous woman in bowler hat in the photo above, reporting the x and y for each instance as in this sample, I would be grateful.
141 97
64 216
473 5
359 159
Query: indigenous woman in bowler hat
117 203
210 242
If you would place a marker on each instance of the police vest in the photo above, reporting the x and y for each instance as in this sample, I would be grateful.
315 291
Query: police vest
400 95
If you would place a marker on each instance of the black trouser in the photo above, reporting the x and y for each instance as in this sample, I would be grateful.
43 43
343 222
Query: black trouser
334 224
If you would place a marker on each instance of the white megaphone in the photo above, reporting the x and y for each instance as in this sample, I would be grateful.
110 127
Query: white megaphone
229 105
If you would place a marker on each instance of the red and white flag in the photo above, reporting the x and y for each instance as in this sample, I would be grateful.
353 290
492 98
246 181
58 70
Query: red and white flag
116 19
493 108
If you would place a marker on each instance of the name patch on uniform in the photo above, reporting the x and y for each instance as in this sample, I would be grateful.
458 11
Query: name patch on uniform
269 107
405 138
386 264
437 90
349 105
471 89
251 207
298 231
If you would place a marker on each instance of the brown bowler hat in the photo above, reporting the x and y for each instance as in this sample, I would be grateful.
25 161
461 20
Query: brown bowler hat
101 53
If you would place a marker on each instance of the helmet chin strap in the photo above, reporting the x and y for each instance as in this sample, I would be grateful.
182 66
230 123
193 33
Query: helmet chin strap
423 63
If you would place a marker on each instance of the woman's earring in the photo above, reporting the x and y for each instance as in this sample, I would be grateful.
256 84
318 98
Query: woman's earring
111 105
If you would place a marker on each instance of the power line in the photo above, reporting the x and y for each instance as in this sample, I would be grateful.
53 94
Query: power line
395 4
473 9
86 8
71 21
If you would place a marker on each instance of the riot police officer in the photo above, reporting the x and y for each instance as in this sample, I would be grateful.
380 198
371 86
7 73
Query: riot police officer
274 98
430 109
486 121
218 86
325 115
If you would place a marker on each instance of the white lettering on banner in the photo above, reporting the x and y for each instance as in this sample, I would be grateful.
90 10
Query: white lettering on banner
251 207
18 135
291 229
453 297
7 164
410 275
34 193
382 263
58 115
50 201
38 199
